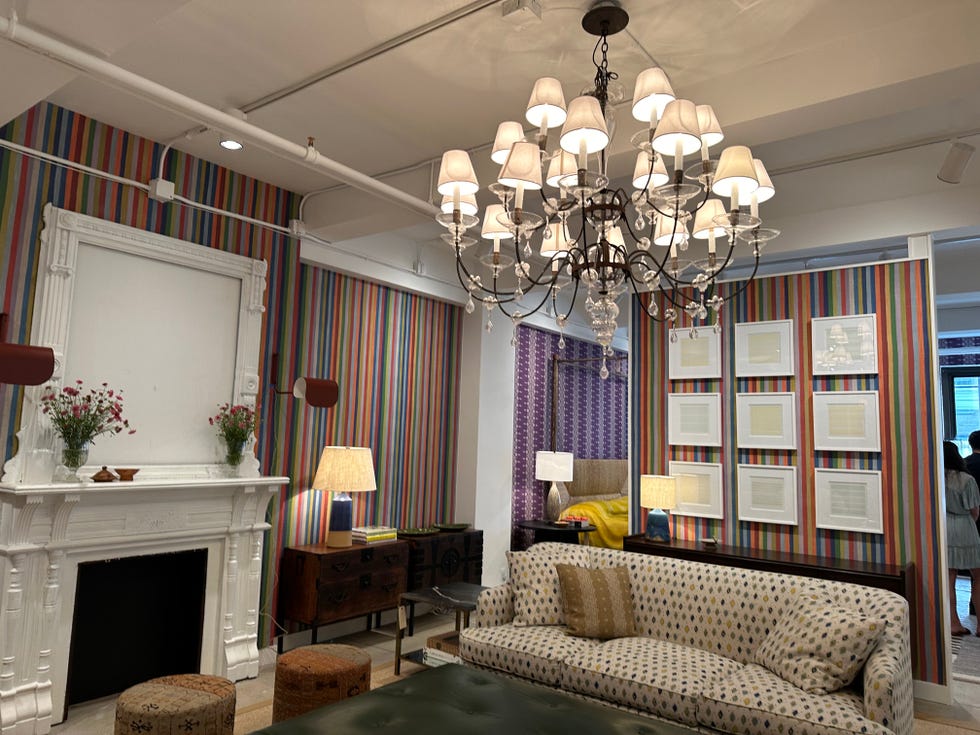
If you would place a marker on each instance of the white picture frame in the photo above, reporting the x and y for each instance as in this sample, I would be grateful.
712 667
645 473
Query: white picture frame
848 500
846 421
767 494
694 419
702 496
845 345
689 358
764 349
766 420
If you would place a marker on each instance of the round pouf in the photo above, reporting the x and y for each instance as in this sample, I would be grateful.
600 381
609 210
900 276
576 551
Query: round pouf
181 704
312 676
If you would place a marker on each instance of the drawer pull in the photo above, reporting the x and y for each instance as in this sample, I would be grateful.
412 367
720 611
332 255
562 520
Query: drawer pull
340 565
365 581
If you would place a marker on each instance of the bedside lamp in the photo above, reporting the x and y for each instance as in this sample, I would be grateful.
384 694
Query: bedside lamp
554 467
659 494
344 470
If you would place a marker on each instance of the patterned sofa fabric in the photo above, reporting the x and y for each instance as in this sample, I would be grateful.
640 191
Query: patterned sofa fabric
706 621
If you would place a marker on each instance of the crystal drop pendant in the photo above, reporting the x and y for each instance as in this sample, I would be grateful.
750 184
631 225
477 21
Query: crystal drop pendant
604 370
561 342
673 336
694 332
489 326
640 222
470 306
717 326
527 249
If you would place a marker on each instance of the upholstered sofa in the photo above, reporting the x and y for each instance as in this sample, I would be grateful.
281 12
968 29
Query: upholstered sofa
703 643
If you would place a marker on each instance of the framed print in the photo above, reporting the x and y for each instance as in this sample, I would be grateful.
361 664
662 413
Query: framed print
846 421
767 494
766 420
845 345
694 418
848 500
694 357
764 348
699 489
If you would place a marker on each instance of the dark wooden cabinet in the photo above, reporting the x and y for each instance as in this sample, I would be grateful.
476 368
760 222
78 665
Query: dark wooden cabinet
445 557
319 584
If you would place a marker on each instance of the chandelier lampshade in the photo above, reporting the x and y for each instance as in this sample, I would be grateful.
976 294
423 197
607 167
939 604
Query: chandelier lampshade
588 239
467 204
456 174
546 107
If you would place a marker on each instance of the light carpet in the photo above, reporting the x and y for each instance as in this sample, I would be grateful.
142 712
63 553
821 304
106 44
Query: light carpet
259 715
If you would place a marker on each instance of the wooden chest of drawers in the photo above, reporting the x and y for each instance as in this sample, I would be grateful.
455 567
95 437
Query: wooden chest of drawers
319 584
445 557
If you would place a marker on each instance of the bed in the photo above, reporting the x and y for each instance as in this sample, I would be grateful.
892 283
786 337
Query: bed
599 492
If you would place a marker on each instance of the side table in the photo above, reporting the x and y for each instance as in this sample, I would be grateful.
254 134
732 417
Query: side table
548 531
458 596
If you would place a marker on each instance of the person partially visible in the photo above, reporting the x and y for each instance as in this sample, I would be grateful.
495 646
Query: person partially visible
962 537
973 460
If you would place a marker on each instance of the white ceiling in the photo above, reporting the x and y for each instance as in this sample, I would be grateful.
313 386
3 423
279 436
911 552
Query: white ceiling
813 86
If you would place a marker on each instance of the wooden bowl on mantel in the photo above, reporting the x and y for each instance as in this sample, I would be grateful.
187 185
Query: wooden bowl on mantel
126 474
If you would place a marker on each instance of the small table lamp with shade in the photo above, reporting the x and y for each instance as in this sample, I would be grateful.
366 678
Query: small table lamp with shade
554 467
344 470
659 494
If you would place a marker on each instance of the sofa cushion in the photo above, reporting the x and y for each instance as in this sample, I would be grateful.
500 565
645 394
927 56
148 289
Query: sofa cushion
649 675
755 700
819 646
537 592
531 652
597 602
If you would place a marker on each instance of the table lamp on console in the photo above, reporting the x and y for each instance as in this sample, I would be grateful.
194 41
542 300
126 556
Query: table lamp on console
344 470
659 494
554 467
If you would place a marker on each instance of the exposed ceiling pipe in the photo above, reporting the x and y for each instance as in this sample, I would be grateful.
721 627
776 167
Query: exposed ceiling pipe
169 99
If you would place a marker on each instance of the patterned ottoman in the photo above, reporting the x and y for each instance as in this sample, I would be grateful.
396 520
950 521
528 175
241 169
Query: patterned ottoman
312 676
195 704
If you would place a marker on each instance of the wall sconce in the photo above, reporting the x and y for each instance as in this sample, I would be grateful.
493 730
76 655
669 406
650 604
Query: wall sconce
317 392
23 364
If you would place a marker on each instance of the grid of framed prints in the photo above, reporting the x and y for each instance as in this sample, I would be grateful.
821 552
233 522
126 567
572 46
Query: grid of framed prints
764 349
845 345
848 500
767 493
699 489
694 357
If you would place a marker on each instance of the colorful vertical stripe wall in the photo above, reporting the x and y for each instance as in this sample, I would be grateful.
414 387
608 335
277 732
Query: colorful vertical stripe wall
592 412
395 355
899 294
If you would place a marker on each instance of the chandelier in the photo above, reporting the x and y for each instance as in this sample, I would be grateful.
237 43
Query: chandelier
597 239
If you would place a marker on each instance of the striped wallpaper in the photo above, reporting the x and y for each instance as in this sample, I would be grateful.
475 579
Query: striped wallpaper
395 355
898 294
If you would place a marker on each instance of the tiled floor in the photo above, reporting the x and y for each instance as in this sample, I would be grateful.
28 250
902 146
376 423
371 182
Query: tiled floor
96 717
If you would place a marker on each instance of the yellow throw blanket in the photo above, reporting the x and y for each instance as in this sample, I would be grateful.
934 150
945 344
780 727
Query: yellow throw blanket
610 517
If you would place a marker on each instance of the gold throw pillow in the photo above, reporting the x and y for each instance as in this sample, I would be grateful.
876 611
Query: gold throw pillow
598 603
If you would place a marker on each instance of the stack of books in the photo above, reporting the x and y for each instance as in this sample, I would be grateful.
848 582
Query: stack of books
373 534
435 657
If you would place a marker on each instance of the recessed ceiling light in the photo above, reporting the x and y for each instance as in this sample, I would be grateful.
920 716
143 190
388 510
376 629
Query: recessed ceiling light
230 144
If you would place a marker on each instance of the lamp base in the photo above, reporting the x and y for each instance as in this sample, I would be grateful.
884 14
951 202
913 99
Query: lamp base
658 525
557 502
341 517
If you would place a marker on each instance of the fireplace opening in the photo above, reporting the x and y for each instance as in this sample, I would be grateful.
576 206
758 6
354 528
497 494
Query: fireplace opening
135 618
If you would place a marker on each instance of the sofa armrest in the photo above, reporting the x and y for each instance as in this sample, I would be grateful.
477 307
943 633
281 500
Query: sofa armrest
495 606
888 694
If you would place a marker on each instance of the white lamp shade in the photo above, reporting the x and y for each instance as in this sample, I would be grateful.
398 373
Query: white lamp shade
553 466
665 233
562 165
508 133
556 240
615 236
345 470
710 127
658 491
467 204
642 173
766 190
523 166
651 93
457 170
546 98
584 123
679 123
735 168
492 226
704 220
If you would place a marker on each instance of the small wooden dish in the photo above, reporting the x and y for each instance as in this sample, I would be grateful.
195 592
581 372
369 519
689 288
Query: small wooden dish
103 475
126 474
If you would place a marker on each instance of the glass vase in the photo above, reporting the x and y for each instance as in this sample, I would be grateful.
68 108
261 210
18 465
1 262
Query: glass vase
234 454
73 457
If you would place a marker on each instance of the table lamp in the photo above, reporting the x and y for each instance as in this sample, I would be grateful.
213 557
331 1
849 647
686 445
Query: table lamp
554 467
659 494
344 470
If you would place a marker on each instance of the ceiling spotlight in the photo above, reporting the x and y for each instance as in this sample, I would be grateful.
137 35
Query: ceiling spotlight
957 157
226 140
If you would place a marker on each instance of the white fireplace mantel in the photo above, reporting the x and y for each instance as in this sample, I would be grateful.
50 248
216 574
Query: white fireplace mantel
47 530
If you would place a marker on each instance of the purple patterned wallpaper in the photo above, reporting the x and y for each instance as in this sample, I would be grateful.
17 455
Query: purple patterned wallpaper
968 358
592 412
